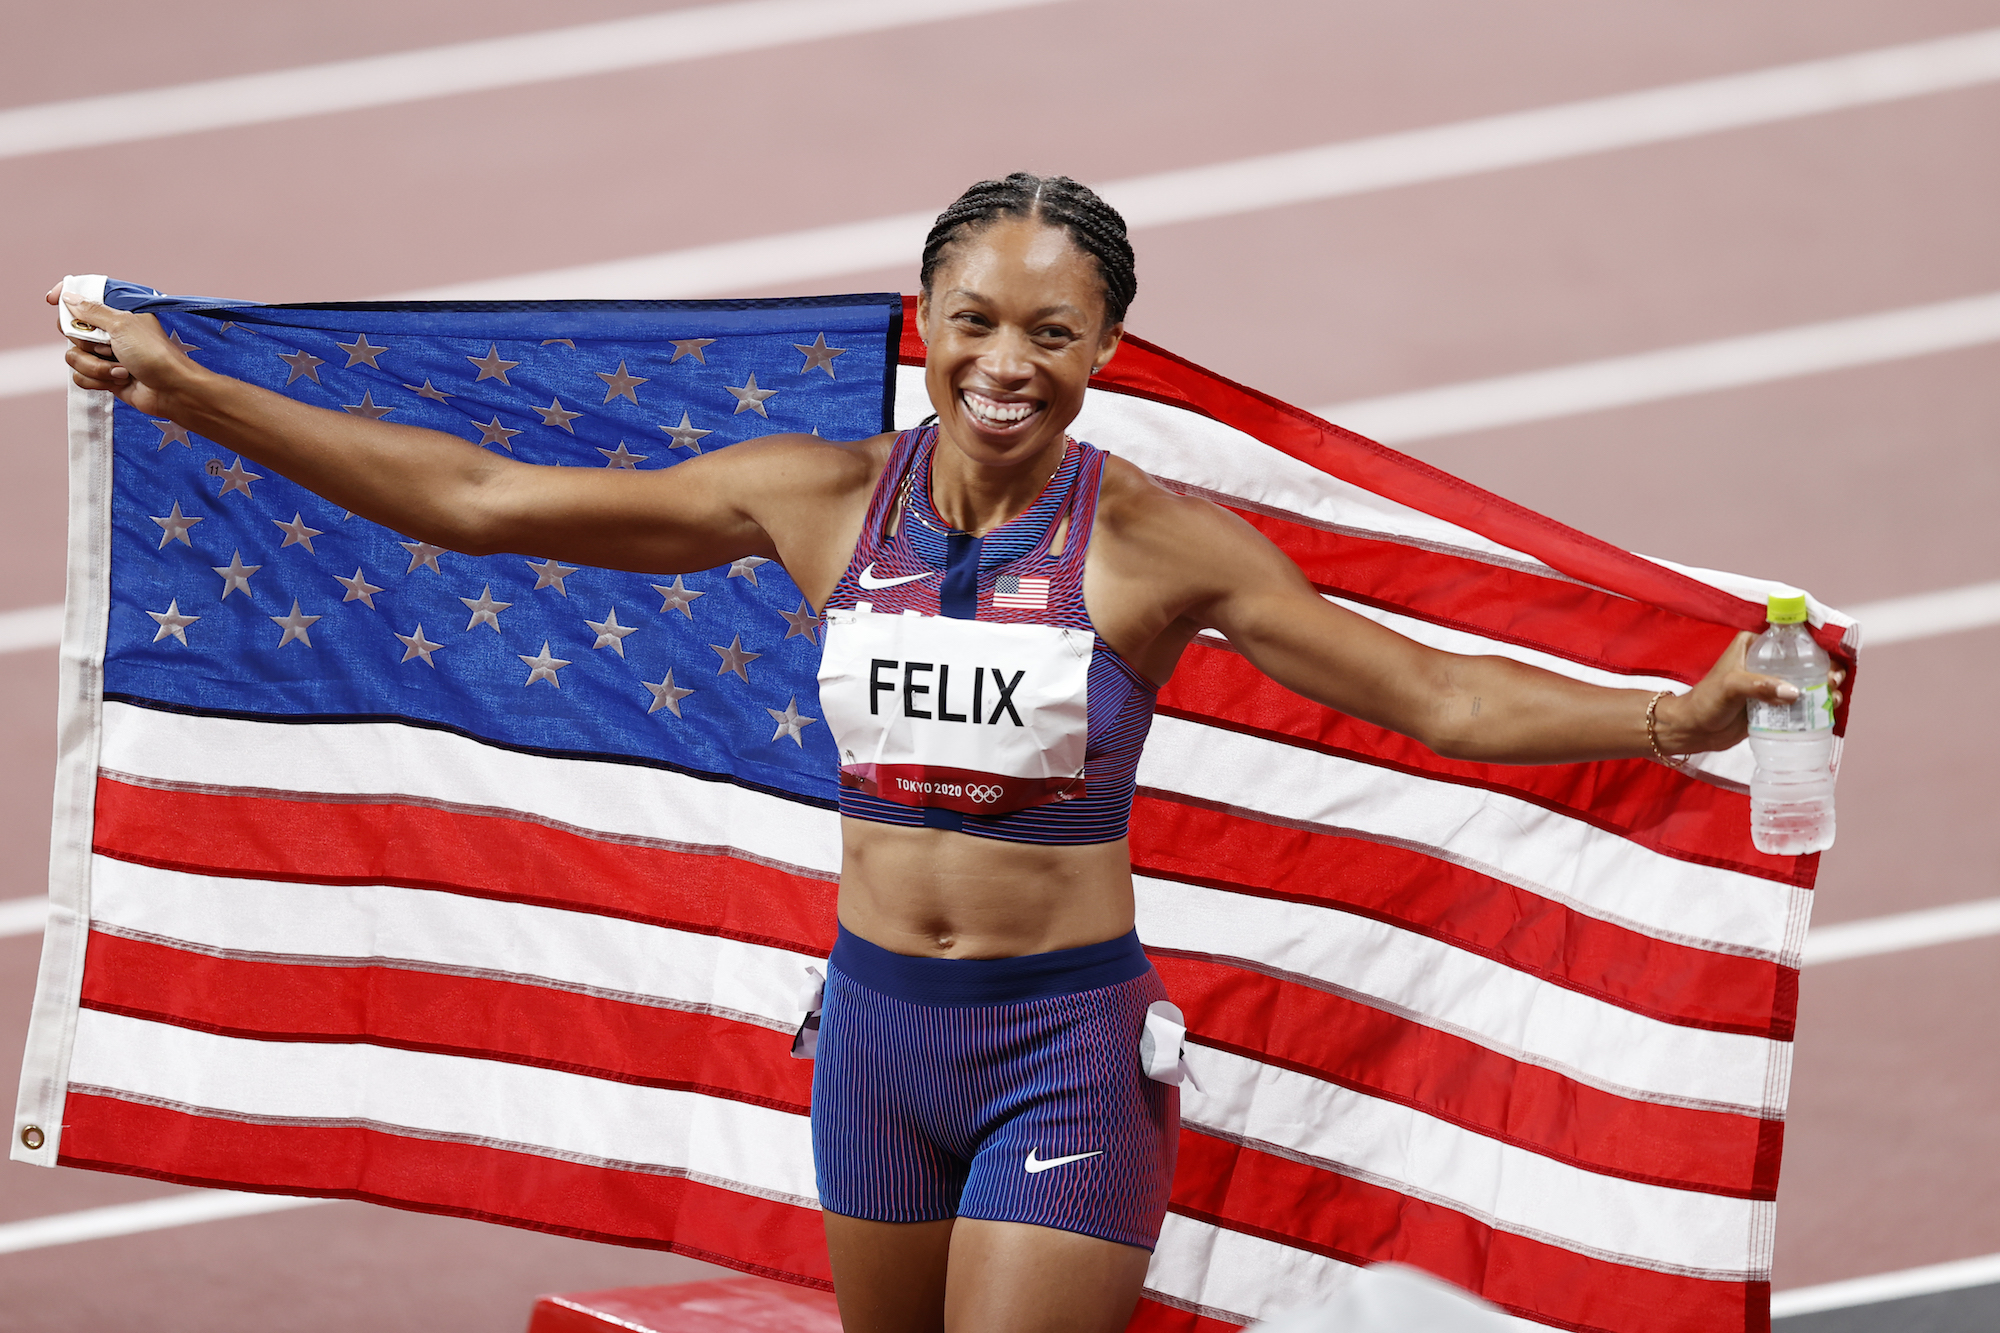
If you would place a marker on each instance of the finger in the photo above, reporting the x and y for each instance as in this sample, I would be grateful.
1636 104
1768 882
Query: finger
93 371
55 295
1749 685
90 313
1732 657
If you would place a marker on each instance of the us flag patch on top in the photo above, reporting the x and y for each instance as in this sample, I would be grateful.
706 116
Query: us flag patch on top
1019 594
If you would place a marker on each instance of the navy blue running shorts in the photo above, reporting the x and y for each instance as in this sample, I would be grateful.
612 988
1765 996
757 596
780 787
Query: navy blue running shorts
1006 1089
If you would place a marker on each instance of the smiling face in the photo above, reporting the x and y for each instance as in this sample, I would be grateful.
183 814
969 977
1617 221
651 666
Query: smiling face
1015 324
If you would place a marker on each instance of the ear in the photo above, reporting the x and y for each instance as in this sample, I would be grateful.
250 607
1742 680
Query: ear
1107 346
923 317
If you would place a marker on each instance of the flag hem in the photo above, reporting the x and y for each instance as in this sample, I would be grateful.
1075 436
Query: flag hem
80 699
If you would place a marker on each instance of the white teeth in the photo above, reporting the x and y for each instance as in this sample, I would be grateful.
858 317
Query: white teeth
993 413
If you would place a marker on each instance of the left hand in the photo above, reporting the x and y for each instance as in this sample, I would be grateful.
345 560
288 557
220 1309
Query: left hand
1715 714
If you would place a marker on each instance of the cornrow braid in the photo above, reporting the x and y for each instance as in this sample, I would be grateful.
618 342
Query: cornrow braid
1095 226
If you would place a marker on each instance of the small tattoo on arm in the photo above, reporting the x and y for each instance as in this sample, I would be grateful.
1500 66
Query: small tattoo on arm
1475 705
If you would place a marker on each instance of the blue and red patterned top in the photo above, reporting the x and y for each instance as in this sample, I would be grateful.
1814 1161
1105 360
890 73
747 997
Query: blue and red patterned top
1009 576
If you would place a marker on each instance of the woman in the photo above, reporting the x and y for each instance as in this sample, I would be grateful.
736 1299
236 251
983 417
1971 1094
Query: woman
991 1153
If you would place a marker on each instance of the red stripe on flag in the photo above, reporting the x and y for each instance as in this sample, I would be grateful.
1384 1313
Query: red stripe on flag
1151 372
1294 1204
1675 983
746 1232
319 841
1566 619
1355 1046
1638 799
448 1015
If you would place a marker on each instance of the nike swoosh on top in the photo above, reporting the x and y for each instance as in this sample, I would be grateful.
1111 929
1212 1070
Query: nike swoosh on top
1034 1166
868 580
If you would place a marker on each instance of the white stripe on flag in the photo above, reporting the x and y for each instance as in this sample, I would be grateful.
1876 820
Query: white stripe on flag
522 1108
1437 985
1508 1188
356 759
1598 873
1562 858
464 67
453 933
1237 1278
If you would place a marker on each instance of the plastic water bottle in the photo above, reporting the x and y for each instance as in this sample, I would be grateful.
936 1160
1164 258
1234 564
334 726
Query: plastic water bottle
1791 792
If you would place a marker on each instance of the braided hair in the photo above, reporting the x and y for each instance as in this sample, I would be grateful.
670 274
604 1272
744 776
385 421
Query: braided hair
1095 226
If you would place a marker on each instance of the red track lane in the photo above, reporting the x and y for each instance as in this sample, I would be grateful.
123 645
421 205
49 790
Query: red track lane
1891 1158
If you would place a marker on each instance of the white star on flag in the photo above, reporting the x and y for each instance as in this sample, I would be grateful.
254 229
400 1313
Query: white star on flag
295 626
790 723
666 695
610 634
172 622
544 666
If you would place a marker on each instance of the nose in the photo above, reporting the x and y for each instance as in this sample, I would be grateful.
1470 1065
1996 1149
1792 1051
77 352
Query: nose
1007 359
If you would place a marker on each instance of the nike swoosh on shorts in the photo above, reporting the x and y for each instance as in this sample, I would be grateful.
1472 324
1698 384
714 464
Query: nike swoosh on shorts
866 578
1034 1166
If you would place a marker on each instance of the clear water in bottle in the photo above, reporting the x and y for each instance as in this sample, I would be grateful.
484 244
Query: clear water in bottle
1791 792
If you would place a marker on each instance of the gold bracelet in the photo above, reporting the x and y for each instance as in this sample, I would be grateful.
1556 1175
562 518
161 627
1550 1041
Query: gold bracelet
1653 734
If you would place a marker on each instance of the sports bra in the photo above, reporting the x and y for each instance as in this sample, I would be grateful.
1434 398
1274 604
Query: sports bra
963 682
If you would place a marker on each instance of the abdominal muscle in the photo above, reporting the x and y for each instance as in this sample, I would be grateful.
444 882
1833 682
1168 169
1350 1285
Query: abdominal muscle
937 894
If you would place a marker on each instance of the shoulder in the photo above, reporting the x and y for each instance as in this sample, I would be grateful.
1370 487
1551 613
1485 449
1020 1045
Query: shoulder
802 464
1135 509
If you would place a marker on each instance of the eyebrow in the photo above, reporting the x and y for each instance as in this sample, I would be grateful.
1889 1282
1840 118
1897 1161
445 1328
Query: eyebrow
1062 308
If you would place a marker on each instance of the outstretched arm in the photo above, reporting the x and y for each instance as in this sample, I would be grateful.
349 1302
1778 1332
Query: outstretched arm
442 489
1489 709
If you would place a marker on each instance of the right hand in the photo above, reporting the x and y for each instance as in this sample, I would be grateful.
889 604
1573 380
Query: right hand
147 367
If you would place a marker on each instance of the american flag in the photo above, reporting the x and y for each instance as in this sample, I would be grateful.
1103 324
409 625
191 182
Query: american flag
491 890
1021 594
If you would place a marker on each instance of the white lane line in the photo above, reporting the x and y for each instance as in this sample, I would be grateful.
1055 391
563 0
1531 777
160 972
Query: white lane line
1927 613
1331 171
1925 1281
126 1219
1672 372
1904 930
441 71
31 627
32 369
1224 189
23 916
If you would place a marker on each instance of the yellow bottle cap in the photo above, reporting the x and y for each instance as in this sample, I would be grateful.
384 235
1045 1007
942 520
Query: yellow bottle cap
1787 610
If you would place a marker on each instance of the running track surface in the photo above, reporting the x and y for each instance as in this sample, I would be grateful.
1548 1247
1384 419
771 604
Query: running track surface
1863 484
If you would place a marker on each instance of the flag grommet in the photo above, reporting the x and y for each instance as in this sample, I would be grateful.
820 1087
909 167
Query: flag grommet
31 1137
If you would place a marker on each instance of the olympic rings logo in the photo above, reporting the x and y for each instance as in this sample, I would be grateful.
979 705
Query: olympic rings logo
983 794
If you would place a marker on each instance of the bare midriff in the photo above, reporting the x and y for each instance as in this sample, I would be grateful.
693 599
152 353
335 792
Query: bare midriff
932 893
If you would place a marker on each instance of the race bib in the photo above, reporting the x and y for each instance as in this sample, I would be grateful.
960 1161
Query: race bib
956 714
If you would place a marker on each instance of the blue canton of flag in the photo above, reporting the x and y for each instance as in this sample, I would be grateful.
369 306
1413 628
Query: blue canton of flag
237 592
